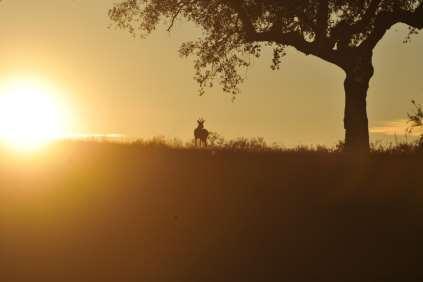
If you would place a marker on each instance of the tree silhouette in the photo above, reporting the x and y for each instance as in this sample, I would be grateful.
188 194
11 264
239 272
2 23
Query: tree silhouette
341 32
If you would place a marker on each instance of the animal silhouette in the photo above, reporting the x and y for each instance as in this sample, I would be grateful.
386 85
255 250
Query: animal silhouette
201 133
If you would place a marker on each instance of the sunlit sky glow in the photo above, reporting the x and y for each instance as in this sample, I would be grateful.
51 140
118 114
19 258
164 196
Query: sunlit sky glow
396 128
30 113
110 83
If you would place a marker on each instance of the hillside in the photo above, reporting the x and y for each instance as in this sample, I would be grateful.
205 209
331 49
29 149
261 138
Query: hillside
109 212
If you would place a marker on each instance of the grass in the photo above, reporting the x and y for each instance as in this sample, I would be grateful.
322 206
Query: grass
154 211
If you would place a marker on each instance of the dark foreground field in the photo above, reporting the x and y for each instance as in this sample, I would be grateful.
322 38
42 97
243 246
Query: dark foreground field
104 212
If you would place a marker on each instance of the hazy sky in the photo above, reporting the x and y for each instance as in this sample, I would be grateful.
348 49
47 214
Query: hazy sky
140 88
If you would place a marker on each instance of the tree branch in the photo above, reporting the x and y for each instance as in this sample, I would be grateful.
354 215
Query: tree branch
322 20
294 39
172 21
238 7
386 20
345 31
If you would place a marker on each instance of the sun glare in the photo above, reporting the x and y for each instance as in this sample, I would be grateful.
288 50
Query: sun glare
30 115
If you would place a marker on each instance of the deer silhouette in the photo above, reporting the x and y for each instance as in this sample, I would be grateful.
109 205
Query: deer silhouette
201 133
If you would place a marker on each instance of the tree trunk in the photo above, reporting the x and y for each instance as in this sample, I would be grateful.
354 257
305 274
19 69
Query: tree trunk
358 75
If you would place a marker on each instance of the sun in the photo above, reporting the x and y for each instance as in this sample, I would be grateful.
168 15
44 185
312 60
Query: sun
30 116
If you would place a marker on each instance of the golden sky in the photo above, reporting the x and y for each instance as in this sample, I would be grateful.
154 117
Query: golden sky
115 84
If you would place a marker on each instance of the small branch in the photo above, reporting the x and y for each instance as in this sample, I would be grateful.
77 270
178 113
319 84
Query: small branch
172 21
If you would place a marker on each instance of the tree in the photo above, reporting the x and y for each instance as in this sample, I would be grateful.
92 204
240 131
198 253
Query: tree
341 32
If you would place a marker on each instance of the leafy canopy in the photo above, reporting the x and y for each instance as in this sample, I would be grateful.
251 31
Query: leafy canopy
234 31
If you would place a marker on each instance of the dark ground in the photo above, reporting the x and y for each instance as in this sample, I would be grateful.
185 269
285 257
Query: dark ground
105 212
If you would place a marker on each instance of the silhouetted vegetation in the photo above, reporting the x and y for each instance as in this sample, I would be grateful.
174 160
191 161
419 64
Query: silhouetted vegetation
416 120
259 145
343 33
